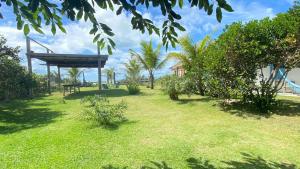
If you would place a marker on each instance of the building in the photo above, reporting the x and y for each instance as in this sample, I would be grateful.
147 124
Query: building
178 69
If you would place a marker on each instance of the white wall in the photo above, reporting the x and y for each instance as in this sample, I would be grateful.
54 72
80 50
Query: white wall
294 75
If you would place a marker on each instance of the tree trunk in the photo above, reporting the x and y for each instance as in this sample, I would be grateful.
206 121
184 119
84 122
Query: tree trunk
151 80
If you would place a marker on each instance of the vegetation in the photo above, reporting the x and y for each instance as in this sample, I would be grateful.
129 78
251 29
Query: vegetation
192 59
194 131
15 81
133 71
74 73
110 75
240 54
35 13
100 110
150 59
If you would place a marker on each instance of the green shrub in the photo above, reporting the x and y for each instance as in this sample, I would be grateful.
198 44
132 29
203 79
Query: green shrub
100 110
133 88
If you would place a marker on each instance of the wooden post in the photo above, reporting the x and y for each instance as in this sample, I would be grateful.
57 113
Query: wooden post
29 63
99 73
99 68
48 80
59 79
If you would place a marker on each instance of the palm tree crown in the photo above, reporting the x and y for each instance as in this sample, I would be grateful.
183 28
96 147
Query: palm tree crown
150 59
74 74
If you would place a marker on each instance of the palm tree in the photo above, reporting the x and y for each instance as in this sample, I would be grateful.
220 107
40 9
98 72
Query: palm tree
150 59
133 70
192 59
74 74
110 74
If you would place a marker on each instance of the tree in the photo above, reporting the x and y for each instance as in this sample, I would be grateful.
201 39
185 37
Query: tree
133 70
110 75
244 50
14 79
192 58
150 59
74 74
39 13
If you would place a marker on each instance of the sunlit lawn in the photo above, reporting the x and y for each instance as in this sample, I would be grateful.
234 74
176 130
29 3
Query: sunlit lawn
192 133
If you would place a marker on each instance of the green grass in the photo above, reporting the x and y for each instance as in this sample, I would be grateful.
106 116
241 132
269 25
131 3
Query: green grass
192 133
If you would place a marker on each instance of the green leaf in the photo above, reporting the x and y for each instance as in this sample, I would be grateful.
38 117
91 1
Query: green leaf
219 14
112 43
180 3
178 26
228 8
61 28
79 14
53 28
26 29
119 11
109 50
96 38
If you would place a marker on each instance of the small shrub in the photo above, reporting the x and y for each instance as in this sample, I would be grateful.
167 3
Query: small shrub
100 110
133 88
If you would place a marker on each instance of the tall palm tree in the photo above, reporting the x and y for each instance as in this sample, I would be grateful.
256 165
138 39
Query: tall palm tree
192 59
150 59
133 70
74 74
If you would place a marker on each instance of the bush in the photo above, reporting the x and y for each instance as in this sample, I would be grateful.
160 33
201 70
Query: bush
133 88
174 86
100 110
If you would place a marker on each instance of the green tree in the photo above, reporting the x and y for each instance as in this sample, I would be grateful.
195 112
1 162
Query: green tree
74 74
245 50
37 13
133 70
150 59
192 59
110 75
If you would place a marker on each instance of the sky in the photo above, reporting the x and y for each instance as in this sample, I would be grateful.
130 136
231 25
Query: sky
77 39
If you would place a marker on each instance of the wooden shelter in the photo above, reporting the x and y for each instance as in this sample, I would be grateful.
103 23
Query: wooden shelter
65 61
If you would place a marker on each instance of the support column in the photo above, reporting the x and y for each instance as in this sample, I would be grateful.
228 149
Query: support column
48 79
59 79
99 68
99 74
30 93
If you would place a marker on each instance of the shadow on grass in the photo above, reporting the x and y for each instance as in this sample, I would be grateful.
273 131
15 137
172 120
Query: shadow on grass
112 167
113 126
193 100
248 161
284 108
256 162
108 93
18 115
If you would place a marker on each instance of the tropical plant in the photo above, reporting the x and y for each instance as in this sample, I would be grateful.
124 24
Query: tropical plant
192 59
35 13
74 74
110 75
174 86
100 110
150 59
133 70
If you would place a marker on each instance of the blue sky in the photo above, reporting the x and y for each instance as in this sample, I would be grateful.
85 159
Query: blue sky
78 40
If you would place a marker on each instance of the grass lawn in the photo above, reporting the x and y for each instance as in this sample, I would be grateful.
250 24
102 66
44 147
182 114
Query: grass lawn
192 133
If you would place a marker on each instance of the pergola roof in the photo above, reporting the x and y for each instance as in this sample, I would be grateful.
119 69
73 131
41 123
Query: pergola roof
71 60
